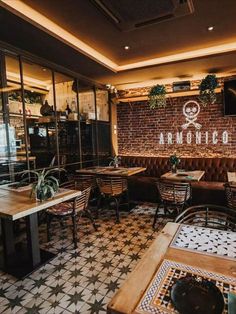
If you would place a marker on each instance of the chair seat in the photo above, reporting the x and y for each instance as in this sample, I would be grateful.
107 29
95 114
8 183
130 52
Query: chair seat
61 209
176 197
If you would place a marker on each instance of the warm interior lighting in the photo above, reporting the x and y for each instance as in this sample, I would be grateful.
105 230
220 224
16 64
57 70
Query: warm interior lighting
40 21
27 80
182 56
210 28
126 47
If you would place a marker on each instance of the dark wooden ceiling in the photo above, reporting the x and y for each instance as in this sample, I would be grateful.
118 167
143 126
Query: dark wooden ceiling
84 20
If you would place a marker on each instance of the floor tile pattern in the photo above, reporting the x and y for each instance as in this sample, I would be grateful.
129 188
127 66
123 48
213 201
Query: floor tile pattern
83 280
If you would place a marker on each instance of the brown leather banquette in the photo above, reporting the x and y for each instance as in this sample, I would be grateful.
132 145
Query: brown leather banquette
209 190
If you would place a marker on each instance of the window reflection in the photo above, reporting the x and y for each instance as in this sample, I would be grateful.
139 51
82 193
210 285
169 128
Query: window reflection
68 124
40 115
102 105
87 124
15 132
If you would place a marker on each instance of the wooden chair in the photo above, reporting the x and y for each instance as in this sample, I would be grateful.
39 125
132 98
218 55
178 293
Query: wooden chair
113 188
174 196
208 215
230 193
73 209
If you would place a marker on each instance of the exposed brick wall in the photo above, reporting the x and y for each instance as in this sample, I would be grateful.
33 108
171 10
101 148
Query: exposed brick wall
139 129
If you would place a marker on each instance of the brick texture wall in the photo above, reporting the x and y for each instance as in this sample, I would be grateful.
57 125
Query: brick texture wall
140 128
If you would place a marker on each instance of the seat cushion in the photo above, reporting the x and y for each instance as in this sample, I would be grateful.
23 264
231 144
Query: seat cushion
206 185
205 192
61 209
143 189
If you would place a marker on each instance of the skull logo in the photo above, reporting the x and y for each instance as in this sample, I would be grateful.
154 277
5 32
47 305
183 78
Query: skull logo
191 110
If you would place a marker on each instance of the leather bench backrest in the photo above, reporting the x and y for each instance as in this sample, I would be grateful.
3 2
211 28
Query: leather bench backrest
215 168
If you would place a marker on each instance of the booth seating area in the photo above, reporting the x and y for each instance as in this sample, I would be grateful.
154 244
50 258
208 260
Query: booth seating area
210 189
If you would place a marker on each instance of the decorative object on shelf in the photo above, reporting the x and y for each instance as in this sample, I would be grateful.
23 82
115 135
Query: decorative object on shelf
45 185
46 109
207 89
174 161
157 96
181 86
73 116
115 161
68 110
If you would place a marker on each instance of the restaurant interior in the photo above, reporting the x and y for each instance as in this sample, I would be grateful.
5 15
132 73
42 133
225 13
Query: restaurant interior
118 156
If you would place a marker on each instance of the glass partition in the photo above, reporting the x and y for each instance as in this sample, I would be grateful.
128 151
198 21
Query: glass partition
14 118
102 102
68 123
45 122
40 115
87 125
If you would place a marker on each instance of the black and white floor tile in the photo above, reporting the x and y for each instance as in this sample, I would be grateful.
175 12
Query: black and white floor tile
83 280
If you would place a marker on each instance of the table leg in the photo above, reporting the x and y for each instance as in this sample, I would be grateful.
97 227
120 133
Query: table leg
33 239
8 239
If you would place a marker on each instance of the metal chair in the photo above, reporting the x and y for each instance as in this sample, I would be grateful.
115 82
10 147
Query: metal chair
113 188
174 197
85 180
208 215
230 193
73 209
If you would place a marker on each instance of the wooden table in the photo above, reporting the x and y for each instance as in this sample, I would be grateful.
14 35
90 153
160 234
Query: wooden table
111 171
127 299
184 176
15 205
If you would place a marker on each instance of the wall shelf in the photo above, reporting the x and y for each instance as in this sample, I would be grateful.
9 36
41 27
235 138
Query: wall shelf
170 95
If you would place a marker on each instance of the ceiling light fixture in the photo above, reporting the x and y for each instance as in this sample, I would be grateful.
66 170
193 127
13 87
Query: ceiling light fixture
210 28
126 47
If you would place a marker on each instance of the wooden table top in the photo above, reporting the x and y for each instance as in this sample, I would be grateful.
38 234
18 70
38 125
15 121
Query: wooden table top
184 176
132 291
111 171
17 158
15 205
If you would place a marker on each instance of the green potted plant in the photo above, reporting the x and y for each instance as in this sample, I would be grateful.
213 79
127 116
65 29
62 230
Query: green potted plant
174 161
207 89
45 186
115 161
157 96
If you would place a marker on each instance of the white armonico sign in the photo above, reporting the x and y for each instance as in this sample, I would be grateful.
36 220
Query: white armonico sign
191 110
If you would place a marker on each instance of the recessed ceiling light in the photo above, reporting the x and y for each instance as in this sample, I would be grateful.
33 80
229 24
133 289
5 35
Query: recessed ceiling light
44 69
210 28
126 47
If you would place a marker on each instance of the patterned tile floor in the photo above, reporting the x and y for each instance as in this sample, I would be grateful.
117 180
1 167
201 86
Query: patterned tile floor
82 280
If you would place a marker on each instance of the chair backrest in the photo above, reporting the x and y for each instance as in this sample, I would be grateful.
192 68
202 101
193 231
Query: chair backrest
230 193
69 185
111 185
81 202
85 180
208 215
174 192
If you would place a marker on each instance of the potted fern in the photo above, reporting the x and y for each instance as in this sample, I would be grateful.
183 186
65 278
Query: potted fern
115 161
174 161
157 96
45 186
207 89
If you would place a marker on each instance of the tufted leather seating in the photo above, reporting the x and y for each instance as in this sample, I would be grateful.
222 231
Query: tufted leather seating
209 190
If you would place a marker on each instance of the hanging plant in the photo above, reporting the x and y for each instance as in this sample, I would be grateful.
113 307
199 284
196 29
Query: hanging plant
207 90
157 96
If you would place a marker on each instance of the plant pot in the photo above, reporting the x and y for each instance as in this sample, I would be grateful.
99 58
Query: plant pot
174 168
